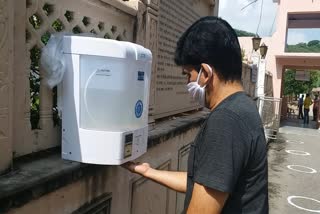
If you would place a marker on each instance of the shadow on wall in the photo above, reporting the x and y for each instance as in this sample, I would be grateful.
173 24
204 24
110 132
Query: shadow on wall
248 80
268 85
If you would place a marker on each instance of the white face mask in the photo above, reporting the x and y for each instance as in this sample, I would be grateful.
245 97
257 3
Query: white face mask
197 92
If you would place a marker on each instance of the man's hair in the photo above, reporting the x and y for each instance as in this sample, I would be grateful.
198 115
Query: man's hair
213 41
308 95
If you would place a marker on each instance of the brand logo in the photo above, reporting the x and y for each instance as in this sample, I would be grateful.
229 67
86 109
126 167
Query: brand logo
138 109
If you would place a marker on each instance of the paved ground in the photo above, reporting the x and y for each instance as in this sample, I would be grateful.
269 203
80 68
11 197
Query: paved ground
284 182
299 123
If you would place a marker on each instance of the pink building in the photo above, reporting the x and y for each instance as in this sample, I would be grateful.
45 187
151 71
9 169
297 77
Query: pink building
291 14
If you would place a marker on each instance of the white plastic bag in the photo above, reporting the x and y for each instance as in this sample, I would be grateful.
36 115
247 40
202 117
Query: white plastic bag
53 64
52 61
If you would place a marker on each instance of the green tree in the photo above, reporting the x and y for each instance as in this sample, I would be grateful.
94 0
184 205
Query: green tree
296 87
313 43
310 47
241 33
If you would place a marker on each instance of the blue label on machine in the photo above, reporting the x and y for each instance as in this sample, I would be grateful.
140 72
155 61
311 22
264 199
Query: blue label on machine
139 109
140 76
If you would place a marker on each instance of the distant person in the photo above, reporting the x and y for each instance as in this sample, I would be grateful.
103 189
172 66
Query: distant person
300 105
307 103
315 108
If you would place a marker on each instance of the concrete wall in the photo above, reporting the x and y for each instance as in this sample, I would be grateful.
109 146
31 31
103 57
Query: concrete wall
174 18
129 193
247 80
6 86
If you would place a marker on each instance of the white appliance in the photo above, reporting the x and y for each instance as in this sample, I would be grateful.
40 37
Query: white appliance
105 99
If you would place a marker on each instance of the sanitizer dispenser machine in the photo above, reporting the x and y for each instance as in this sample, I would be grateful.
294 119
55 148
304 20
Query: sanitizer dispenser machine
105 100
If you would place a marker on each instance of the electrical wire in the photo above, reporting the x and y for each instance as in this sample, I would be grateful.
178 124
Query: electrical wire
274 20
261 10
249 4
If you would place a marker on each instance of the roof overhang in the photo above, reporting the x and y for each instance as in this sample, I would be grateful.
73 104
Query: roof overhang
305 20
299 60
298 55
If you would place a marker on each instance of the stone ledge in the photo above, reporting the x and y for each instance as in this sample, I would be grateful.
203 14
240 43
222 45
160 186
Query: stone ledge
37 177
130 6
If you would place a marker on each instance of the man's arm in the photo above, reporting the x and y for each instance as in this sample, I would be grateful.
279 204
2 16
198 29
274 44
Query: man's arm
174 180
206 200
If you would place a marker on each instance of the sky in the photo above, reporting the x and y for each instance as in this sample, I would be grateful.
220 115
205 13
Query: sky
248 19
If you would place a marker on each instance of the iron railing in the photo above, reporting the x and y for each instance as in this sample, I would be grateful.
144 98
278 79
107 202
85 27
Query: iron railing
270 113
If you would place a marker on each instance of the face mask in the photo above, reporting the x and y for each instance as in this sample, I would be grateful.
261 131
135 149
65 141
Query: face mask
197 92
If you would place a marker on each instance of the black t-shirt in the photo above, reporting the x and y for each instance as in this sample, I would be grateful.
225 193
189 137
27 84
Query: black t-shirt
230 155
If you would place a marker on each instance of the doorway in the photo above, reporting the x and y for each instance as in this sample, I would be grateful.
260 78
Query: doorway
298 84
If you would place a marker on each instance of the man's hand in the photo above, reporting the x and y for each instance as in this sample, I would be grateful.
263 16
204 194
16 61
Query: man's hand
139 168
173 180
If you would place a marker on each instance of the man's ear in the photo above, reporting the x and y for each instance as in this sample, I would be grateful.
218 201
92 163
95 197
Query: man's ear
207 72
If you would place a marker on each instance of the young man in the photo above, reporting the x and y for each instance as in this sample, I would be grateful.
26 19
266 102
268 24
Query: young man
300 105
307 103
227 166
